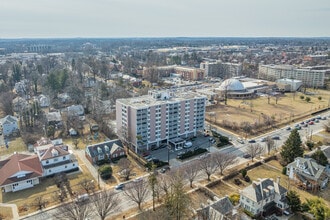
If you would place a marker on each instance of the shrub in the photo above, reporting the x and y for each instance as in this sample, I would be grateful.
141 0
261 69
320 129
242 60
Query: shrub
243 172
105 171
310 145
247 179
192 153
234 198
158 164
284 170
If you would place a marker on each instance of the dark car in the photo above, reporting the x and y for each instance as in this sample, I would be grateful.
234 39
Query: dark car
252 141
246 155
276 137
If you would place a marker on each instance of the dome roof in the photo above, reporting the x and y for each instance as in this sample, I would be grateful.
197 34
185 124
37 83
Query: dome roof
232 85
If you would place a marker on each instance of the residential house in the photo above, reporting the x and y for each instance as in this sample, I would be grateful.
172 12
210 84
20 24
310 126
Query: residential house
43 101
76 110
56 159
264 197
105 151
19 171
307 173
219 210
9 125
54 118
20 104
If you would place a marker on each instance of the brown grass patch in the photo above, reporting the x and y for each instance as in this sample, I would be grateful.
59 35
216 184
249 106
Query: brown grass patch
6 213
197 198
252 110
276 164
222 189
15 145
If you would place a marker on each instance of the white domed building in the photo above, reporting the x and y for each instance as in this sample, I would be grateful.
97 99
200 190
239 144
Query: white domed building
234 89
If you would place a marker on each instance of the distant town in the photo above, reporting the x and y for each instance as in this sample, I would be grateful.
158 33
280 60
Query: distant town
165 128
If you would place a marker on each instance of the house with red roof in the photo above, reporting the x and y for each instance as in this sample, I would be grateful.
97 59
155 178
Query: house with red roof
20 171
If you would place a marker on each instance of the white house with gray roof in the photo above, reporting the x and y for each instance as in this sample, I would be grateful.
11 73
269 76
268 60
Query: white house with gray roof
264 196
221 209
308 173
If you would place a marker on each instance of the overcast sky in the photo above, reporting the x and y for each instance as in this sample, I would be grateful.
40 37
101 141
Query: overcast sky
164 18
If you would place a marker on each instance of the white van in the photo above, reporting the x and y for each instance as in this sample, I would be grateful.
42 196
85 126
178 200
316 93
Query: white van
82 198
188 144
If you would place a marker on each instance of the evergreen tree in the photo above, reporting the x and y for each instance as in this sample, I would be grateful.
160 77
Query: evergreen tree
292 147
294 201
320 157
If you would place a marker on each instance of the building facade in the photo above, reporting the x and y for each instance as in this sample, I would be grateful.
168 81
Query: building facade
159 117
309 77
220 69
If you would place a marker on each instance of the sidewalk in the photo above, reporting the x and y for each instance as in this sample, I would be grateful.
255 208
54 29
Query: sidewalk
13 208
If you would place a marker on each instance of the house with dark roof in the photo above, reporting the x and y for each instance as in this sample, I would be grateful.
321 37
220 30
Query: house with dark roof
307 173
220 209
264 197
9 125
105 151
19 171
54 118
56 159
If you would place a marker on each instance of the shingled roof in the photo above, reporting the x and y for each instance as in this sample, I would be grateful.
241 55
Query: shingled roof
26 164
53 151
257 191
104 147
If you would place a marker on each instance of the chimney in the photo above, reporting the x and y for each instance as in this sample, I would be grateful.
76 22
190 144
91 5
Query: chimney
278 180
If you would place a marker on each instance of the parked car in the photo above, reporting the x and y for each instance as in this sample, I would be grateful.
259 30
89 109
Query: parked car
276 137
288 128
188 144
82 198
311 123
240 141
119 186
246 156
252 141
164 169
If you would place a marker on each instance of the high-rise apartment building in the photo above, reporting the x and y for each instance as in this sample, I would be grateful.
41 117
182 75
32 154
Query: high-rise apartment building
309 76
161 117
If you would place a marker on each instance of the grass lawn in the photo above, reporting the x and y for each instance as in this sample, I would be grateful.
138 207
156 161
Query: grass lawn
276 164
6 213
15 145
223 189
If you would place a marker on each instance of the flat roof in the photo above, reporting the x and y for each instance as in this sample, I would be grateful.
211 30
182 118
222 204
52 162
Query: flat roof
147 100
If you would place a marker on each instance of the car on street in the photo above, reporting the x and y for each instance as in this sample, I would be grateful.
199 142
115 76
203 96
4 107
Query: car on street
188 144
252 141
240 141
288 128
311 123
119 186
263 139
276 137
246 156
138 179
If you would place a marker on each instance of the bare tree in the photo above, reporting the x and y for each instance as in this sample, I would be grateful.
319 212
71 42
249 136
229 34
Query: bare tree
6 100
223 160
105 202
40 202
126 167
164 182
191 171
59 196
270 144
74 211
254 150
208 166
87 185
137 192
